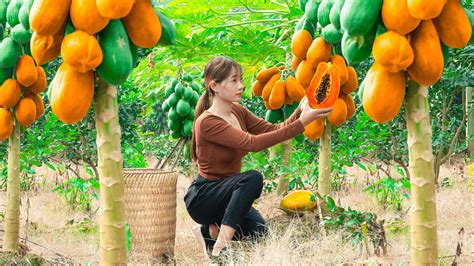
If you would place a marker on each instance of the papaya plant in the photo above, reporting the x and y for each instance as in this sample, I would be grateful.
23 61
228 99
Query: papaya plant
321 69
120 31
422 57
20 104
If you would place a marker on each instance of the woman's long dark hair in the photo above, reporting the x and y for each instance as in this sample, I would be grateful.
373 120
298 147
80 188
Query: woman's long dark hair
217 69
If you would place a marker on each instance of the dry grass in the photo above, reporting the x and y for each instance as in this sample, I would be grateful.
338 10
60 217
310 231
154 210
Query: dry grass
291 241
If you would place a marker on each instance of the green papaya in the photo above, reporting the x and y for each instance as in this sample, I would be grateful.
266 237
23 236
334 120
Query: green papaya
3 12
134 51
11 51
289 109
300 23
190 116
302 4
324 10
5 73
360 91
445 50
380 29
183 108
27 48
168 31
331 34
299 138
117 59
305 24
174 82
165 106
13 10
359 16
174 125
195 99
24 15
311 10
21 35
173 99
168 91
179 90
187 78
188 128
69 27
309 26
188 94
172 114
175 134
356 49
195 86
337 48
274 116
335 13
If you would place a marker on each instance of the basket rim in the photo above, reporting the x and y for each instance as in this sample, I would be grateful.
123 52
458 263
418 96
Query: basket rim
148 170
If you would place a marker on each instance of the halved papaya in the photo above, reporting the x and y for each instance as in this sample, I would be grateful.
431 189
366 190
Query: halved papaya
323 90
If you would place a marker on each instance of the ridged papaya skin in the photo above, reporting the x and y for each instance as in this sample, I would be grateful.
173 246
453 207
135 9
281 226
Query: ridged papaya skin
298 201
383 93
71 94
396 17
86 17
453 25
48 16
143 25
359 16
393 51
428 65
6 124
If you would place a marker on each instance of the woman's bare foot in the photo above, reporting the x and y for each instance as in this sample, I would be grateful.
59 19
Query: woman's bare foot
213 231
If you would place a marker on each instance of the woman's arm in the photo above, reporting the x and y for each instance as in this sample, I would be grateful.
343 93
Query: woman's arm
256 125
217 130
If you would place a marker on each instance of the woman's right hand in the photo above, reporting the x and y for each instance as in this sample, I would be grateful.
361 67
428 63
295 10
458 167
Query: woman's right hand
309 114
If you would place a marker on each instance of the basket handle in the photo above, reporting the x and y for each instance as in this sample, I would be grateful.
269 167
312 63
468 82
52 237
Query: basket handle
160 166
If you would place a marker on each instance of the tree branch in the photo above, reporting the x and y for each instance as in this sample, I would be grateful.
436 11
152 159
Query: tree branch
246 22
456 135
250 11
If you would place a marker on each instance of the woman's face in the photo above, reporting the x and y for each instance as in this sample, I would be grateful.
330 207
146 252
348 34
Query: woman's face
230 89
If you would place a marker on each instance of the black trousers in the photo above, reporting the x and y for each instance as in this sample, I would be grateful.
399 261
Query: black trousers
229 202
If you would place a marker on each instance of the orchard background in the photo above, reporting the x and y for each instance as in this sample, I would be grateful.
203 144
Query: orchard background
363 166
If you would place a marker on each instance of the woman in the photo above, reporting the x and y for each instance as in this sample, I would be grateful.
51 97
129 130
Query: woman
223 132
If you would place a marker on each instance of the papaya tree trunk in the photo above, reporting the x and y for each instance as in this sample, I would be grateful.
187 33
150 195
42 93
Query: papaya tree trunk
470 121
424 242
112 212
285 160
324 179
11 238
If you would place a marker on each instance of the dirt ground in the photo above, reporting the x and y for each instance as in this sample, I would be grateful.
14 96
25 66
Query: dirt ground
61 235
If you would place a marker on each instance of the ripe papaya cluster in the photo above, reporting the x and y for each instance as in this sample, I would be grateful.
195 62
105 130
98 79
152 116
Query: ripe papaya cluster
327 79
92 36
181 96
331 86
277 88
21 79
415 45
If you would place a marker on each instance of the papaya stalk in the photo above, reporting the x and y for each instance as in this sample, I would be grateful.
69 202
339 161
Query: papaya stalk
11 239
112 210
324 179
285 159
424 241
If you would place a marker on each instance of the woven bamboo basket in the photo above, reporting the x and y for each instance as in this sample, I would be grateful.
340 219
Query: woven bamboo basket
150 207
